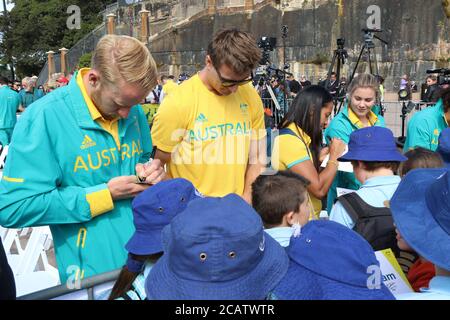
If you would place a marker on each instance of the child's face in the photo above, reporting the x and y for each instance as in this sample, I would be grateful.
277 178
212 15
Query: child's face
401 243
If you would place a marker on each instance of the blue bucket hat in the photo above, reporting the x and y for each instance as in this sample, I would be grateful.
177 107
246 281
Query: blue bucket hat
372 144
216 250
153 209
421 210
444 146
329 261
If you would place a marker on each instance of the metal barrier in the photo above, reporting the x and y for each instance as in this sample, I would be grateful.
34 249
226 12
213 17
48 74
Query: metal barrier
392 113
276 114
93 288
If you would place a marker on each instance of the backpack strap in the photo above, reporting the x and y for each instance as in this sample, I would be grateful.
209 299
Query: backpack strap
358 209
352 204
288 131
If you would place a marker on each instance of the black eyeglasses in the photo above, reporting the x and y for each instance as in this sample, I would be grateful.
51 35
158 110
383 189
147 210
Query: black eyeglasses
230 83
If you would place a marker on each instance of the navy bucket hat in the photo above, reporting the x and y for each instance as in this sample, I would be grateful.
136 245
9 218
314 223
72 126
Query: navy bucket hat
444 146
153 209
216 250
421 210
372 144
329 261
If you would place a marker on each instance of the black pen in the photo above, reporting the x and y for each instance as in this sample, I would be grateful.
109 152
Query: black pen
152 156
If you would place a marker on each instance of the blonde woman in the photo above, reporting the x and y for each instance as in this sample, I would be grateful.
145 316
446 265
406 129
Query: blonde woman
363 94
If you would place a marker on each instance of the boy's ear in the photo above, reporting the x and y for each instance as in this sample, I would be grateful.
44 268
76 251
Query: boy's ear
289 218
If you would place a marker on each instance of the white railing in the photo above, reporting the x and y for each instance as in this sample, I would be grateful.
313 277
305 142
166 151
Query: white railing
26 250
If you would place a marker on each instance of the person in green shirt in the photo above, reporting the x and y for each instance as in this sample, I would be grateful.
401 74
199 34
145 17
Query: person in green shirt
74 157
425 126
363 93
9 105
29 93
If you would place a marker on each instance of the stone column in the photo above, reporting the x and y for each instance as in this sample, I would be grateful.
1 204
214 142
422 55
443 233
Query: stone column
144 25
63 60
111 23
50 63
249 4
211 6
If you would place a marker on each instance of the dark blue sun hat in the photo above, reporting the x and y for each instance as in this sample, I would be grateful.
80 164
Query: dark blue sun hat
329 261
153 209
421 210
216 250
376 144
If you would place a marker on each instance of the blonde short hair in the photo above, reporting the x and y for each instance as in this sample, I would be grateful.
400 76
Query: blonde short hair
122 57
364 80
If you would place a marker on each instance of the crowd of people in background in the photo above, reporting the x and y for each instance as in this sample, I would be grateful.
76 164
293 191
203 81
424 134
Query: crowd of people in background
190 204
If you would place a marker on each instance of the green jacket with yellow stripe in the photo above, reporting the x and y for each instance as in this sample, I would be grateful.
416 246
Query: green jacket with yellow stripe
425 127
58 166
341 127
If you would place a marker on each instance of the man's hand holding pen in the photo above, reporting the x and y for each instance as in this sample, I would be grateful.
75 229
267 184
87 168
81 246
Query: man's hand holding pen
147 174
150 172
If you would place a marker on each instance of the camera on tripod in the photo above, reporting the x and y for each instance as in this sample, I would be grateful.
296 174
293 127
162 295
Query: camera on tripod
369 35
267 44
443 75
340 43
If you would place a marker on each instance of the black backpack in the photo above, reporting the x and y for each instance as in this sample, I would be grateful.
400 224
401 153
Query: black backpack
373 224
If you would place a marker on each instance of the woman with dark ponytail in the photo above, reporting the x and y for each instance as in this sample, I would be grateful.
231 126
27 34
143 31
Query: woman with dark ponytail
298 147
153 209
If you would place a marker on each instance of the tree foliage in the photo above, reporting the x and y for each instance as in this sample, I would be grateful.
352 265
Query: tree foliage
34 27
85 60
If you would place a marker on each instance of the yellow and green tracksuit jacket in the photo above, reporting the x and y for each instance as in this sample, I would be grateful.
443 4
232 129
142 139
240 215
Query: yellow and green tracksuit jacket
425 127
58 164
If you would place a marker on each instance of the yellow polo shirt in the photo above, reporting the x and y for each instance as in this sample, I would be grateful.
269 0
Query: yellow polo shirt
209 135
355 120
289 151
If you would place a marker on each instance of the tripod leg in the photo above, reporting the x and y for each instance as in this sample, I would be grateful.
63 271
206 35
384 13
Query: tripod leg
327 81
377 72
357 63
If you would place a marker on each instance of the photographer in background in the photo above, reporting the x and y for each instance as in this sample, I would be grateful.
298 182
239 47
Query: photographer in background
433 90
294 85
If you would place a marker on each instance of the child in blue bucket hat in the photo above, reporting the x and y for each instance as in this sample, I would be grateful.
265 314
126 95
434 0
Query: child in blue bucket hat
375 160
216 249
421 211
330 262
153 209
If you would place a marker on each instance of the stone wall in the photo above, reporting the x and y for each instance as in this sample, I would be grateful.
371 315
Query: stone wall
417 32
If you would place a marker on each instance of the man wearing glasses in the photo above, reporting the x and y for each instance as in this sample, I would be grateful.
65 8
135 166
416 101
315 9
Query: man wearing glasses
211 129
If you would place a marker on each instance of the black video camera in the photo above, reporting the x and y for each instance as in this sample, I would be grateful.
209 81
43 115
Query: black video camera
443 75
267 43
